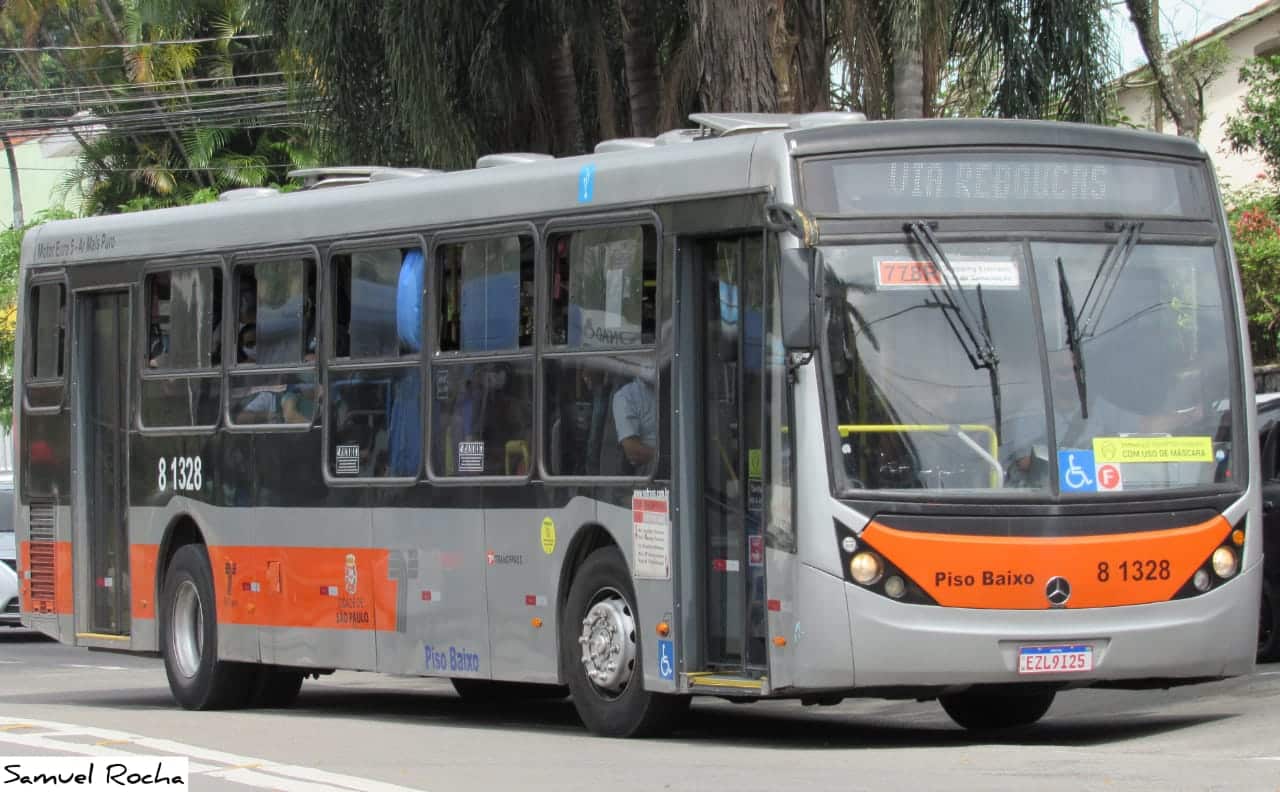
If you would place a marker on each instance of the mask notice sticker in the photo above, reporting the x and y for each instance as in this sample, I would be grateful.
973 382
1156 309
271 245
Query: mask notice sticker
1123 450
970 273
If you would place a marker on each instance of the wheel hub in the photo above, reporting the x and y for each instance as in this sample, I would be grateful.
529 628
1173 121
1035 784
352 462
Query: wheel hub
608 643
188 629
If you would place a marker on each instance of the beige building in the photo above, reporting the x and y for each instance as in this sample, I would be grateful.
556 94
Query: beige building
1255 32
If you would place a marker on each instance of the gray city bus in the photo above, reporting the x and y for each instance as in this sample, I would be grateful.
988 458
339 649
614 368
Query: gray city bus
800 407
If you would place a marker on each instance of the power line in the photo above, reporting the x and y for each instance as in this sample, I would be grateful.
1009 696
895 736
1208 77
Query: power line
81 47
131 85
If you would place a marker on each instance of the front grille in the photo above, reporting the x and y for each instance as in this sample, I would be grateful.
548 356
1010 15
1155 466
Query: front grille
44 555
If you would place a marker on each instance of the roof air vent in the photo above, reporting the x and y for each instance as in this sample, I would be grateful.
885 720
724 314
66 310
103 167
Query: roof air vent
624 144
512 158
246 193
342 175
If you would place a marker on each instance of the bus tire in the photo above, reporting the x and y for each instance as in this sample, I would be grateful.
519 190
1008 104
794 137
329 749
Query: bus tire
276 688
189 637
599 625
983 709
491 691
1269 623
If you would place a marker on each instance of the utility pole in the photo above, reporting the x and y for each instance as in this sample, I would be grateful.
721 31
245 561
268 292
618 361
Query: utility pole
14 182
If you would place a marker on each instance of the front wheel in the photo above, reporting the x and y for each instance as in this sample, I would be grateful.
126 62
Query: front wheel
189 637
983 709
603 654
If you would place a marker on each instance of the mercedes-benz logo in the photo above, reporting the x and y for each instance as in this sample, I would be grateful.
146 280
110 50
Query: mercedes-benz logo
1058 590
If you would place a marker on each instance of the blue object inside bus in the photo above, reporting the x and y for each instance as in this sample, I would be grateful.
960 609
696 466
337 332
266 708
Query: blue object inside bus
405 421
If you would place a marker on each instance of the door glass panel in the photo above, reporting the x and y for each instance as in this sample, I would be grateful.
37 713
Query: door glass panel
733 458
104 364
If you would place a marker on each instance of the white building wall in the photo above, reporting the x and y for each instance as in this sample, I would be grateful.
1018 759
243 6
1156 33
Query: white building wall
1223 98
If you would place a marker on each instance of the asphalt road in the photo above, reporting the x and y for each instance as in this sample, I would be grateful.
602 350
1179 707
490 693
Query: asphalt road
374 733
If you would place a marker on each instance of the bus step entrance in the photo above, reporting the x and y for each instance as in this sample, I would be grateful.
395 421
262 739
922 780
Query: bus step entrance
728 684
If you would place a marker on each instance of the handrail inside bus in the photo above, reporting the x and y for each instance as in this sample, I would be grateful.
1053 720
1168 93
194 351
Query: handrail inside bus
990 456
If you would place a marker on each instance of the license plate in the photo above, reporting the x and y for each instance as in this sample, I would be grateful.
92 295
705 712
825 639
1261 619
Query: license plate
1055 659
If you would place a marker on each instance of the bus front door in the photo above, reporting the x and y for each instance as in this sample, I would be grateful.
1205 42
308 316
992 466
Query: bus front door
100 405
733 492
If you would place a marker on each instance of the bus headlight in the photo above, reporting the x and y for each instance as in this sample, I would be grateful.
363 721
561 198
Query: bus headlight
1225 563
1201 580
866 568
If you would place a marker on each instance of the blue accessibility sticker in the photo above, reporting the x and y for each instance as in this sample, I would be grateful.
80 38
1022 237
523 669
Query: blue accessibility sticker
666 660
586 184
1076 471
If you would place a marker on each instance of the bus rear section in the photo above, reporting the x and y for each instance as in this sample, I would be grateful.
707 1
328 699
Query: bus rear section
1030 407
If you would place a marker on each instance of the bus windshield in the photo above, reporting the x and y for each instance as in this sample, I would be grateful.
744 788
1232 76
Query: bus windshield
945 376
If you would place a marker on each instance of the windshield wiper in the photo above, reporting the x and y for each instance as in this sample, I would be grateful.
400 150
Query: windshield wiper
1105 279
1073 338
980 348
974 330
1083 325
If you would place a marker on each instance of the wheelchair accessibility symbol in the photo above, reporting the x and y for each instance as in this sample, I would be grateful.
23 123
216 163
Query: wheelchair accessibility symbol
1076 471
666 660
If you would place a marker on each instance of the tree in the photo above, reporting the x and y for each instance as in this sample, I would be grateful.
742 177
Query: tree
1005 58
1180 75
1256 127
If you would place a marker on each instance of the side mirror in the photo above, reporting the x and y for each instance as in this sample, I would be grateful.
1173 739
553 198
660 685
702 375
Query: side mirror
800 286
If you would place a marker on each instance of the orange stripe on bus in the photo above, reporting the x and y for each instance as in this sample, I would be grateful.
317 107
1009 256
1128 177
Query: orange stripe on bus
44 572
333 588
143 583
1011 572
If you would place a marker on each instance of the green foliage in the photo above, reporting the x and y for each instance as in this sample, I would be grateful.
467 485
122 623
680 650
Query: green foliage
1255 235
1256 127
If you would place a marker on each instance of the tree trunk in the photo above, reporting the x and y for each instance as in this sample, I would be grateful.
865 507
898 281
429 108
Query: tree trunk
640 51
1177 99
733 44
14 182
565 98
908 60
812 75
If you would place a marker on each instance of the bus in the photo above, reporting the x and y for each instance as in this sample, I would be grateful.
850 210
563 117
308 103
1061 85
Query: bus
780 406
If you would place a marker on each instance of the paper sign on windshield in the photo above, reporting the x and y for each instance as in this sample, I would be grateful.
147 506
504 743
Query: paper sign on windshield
907 274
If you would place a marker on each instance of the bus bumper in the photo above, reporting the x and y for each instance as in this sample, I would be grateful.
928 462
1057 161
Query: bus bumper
1212 635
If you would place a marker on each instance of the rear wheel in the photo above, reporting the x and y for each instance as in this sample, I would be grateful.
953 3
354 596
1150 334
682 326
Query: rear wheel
1269 624
276 687
603 655
982 709
189 637
491 691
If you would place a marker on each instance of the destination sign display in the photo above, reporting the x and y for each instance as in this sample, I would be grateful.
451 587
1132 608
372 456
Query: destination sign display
1005 183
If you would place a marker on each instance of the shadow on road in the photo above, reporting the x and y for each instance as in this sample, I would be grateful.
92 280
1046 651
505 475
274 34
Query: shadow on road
764 726
13 635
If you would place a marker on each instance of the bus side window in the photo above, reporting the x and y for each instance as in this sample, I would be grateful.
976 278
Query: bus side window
48 330
602 416
184 316
275 326
482 384
375 413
